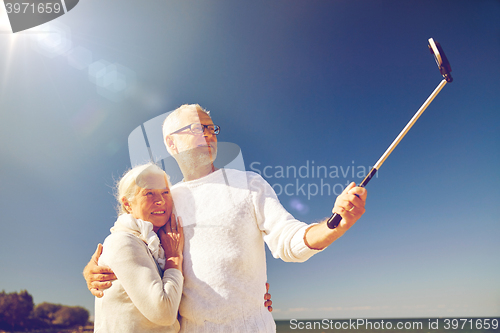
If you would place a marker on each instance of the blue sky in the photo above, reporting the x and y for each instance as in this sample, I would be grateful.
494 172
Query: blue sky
293 83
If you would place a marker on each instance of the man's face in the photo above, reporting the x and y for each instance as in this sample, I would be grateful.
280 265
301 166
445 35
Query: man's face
185 141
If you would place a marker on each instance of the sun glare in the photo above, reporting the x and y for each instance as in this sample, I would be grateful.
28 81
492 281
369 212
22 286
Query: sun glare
9 41
4 20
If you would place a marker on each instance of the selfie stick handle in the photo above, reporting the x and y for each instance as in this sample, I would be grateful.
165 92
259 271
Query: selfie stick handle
335 219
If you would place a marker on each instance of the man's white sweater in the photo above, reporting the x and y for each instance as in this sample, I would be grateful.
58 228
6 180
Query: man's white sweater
227 217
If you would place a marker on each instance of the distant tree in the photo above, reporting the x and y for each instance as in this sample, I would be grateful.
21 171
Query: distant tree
61 315
15 310
71 316
46 311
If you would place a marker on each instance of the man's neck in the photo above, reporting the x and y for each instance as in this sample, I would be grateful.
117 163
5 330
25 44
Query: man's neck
197 172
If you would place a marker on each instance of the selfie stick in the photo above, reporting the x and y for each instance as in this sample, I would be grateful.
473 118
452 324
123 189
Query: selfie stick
445 69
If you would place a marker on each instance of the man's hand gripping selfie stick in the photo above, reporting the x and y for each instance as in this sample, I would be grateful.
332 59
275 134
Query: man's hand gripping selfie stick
445 69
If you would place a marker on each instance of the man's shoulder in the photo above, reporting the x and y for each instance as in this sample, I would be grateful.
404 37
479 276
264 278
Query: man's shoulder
243 173
233 177
248 177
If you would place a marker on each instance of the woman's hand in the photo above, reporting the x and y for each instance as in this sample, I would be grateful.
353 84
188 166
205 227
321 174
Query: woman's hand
172 240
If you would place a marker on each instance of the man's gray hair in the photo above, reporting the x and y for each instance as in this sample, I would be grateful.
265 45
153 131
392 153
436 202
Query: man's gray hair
172 121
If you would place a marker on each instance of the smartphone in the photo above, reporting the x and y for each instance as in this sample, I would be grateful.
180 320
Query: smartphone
441 60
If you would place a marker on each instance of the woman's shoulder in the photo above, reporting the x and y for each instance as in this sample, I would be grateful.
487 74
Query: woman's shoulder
121 241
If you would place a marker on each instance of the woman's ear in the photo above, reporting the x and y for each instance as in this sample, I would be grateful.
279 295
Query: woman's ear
126 204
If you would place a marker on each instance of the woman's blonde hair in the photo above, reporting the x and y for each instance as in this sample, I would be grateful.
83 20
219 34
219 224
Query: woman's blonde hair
127 186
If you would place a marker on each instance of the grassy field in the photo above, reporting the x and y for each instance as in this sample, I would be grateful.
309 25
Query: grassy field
80 329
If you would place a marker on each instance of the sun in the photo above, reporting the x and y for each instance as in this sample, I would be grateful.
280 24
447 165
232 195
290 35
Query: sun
9 41
4 19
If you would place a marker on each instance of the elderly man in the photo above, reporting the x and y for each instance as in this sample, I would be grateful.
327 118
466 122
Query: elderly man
228 216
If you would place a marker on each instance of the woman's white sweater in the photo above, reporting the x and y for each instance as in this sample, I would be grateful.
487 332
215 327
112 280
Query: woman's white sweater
139 301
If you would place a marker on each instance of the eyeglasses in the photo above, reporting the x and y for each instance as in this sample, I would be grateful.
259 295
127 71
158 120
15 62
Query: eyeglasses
197 128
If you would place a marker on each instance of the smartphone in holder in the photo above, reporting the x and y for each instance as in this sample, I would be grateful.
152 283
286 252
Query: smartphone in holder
445 69
441 60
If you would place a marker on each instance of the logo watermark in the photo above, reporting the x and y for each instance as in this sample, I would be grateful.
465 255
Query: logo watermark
355 324
309 179
25 14
395 324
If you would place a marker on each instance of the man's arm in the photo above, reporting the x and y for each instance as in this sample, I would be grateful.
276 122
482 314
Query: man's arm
350 205
97 277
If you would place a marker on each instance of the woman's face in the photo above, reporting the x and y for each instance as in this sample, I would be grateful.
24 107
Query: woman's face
153 205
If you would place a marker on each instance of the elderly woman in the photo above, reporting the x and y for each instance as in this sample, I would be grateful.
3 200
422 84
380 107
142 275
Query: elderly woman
144 250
